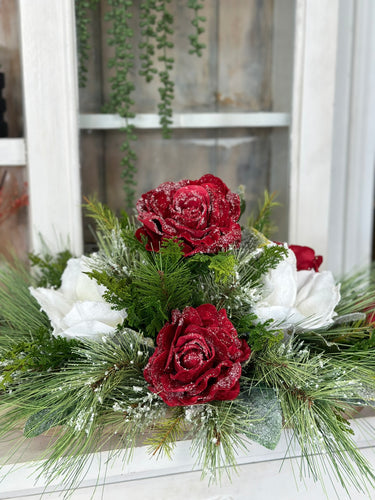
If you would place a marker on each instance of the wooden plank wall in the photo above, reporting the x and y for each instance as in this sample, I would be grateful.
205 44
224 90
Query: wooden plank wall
233 74
14 231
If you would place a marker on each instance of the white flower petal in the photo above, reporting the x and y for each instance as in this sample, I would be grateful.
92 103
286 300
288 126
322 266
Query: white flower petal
278 314
280 284
53 303
317 297
93 311
78 308
88 329
304 299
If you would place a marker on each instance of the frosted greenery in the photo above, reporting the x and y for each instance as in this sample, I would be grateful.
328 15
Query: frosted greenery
89 392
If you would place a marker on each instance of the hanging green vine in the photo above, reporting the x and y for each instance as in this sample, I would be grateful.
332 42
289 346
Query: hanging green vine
164 31
82 8
120 100
148 34
197 22
154 51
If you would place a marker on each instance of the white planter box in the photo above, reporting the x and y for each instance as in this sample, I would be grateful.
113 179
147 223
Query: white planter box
263 475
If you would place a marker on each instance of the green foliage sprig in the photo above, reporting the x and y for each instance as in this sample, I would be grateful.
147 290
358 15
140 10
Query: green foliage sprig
90 391
260 219
39 351
50 268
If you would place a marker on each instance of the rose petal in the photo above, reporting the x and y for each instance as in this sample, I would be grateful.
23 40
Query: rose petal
197 358
202 213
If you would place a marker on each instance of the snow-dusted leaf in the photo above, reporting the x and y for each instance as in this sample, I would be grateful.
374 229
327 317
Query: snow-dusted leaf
265 414
42 421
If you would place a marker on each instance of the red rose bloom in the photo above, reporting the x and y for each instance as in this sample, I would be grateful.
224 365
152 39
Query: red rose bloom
306 258
197 359
203 214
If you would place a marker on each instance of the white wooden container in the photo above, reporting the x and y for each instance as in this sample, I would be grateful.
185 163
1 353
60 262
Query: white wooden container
262 475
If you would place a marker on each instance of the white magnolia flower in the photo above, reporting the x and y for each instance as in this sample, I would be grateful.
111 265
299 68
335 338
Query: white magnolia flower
77 308
303 299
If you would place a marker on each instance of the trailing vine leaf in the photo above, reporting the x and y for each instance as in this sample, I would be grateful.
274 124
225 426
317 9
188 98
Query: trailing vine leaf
148 35
196 45
120 100
163 31
82 20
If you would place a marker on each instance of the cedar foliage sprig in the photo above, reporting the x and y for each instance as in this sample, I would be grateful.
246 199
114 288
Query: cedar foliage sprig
38 351
50 268
259 335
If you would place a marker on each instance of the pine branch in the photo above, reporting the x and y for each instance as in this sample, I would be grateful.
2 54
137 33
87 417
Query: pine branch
216 437
105 219
315 391
166 433
19 311
261 221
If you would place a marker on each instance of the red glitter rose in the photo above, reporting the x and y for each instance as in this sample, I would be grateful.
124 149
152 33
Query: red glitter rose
306 258
203 214
197 359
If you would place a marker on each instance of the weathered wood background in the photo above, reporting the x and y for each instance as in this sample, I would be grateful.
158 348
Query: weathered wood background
234 74
14 231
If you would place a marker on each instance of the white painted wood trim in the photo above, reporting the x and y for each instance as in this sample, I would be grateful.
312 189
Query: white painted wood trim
12 152
333 132
48 53
187 120
20 480
352 193
312 122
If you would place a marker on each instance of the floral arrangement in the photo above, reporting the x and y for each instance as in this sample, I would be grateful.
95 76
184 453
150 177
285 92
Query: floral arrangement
186 325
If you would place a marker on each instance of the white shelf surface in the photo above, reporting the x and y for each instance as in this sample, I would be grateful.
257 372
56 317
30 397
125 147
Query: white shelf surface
264 472
187 120
12 152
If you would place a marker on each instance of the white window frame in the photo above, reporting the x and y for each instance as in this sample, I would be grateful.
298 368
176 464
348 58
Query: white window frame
332 143
333 132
